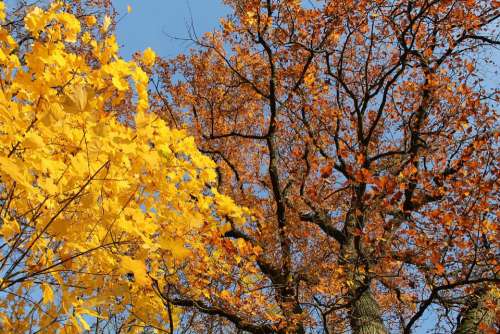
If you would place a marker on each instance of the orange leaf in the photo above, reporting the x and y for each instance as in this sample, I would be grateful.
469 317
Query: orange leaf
326 171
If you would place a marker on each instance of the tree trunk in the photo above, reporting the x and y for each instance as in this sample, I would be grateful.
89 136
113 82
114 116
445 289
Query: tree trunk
365 315
476 314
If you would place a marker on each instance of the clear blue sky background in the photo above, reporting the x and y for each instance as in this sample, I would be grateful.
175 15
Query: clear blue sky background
151 21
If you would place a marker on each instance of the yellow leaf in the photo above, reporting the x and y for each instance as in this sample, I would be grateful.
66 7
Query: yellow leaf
49 186
106 23
82 310
57 277
76 99
91 20
5 321
75 324
120 83
2 11
35 21
225 294
33 141
86 37
149 57
175 246
85 325
129 9
48 294
14 171
137 267
9 228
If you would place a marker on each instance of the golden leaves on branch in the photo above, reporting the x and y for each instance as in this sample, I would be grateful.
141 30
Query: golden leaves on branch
91 206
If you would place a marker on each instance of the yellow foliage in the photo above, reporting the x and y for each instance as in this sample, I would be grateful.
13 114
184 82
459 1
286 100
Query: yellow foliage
106 23
137 267
48 294
88 199
149 57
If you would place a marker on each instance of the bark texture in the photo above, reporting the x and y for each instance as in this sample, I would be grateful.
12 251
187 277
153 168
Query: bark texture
477 316
365 317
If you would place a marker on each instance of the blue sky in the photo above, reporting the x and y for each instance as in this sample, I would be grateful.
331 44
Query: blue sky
151 21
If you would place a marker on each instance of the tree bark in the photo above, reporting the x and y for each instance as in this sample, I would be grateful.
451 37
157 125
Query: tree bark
477 313
365 315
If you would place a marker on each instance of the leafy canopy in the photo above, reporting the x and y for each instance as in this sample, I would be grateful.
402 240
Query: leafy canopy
92 209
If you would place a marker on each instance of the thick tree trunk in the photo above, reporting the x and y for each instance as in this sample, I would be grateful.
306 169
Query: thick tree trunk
476 314
365 315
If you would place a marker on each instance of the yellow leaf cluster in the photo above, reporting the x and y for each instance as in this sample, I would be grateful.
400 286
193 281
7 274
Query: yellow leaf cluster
92 208
149 57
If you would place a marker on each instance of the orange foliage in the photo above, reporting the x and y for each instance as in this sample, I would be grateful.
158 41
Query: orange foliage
364 138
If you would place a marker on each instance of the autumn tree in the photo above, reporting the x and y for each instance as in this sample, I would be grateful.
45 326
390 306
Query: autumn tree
94 209
363 135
